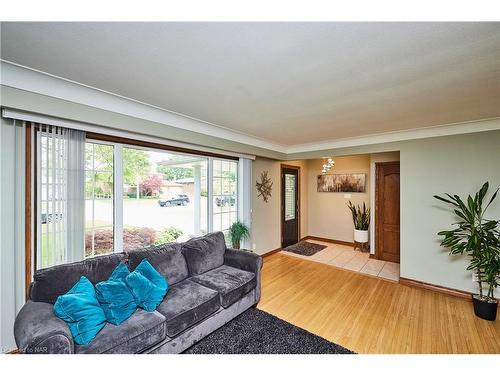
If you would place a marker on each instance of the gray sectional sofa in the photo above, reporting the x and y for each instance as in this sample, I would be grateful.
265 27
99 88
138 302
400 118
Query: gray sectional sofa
209 285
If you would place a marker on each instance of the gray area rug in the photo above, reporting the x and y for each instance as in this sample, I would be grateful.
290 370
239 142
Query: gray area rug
257 332
304 248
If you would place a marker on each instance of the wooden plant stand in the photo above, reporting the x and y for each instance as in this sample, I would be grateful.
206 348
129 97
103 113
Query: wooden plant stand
362 246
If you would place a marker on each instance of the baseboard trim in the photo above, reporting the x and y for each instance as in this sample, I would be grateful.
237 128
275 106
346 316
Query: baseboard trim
438 289
435 288
330 240
271 252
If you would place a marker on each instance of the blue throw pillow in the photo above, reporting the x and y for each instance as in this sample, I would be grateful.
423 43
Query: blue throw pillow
147 285
80 309
115 297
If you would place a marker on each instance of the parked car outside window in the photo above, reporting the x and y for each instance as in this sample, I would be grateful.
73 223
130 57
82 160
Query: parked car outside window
48 218
225 201
177 200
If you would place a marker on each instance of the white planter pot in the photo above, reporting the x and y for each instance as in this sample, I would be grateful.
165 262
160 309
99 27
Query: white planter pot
360 236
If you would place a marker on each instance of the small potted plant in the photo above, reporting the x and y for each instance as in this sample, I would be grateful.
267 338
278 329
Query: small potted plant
238 231
361 219
478 238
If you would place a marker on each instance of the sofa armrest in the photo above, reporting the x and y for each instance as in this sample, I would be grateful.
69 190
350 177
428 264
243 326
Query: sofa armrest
244 260
247 261
38 330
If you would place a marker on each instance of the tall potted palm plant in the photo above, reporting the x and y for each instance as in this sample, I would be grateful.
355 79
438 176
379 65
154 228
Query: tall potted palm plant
478 238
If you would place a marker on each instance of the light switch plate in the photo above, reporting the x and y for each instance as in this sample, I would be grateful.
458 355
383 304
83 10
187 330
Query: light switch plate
347 196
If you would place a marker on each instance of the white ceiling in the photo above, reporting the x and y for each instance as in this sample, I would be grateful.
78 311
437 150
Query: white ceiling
286 83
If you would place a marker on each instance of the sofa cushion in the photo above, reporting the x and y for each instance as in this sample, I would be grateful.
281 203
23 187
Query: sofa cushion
147 286
81 310
167 259
204 253
186 304
50 283
114 296
138 333
231 283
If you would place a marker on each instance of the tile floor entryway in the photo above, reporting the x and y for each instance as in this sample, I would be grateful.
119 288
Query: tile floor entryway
345 257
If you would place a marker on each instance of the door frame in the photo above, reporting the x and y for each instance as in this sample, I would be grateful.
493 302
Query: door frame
377 216
282 200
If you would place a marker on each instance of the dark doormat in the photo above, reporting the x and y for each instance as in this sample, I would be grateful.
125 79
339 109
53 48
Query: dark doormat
257 332
304 248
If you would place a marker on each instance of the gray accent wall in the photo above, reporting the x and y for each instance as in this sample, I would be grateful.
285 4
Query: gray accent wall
457 164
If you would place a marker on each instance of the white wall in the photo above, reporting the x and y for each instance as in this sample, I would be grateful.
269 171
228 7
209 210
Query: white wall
329 216
456 164
11 229
265 234
266 217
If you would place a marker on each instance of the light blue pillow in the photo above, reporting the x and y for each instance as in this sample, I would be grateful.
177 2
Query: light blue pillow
147 285
81 310
115 297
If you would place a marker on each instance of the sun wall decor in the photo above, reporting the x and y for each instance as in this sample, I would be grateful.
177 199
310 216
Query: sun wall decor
264 187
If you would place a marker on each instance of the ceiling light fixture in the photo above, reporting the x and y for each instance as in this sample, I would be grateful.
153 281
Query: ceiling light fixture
328 165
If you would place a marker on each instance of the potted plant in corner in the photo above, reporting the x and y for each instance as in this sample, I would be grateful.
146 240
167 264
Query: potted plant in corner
361 219
478 238
238 231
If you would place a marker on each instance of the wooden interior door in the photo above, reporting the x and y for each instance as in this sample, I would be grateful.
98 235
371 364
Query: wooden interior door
387 211
290 218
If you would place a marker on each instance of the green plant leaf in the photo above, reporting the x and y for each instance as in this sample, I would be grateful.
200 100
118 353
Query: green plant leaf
482 193
492 199
476 237
445 200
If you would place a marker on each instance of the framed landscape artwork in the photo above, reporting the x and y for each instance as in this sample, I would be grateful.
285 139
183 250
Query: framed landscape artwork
342 183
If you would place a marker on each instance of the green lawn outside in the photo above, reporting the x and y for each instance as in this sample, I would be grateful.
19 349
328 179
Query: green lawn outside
145 213
46 249
46 242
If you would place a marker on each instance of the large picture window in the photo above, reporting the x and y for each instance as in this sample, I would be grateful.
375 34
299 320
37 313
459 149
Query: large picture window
126 197
99 192
164 197
225 205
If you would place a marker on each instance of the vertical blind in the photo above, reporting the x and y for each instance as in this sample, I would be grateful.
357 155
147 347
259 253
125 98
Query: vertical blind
60 195
12 235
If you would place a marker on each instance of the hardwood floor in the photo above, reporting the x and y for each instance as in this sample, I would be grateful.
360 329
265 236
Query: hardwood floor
371 315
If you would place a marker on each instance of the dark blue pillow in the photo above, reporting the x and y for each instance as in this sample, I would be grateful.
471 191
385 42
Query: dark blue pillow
115 297
81 310
147 285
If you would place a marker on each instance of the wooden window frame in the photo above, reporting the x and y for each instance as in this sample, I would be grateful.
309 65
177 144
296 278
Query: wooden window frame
153 145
